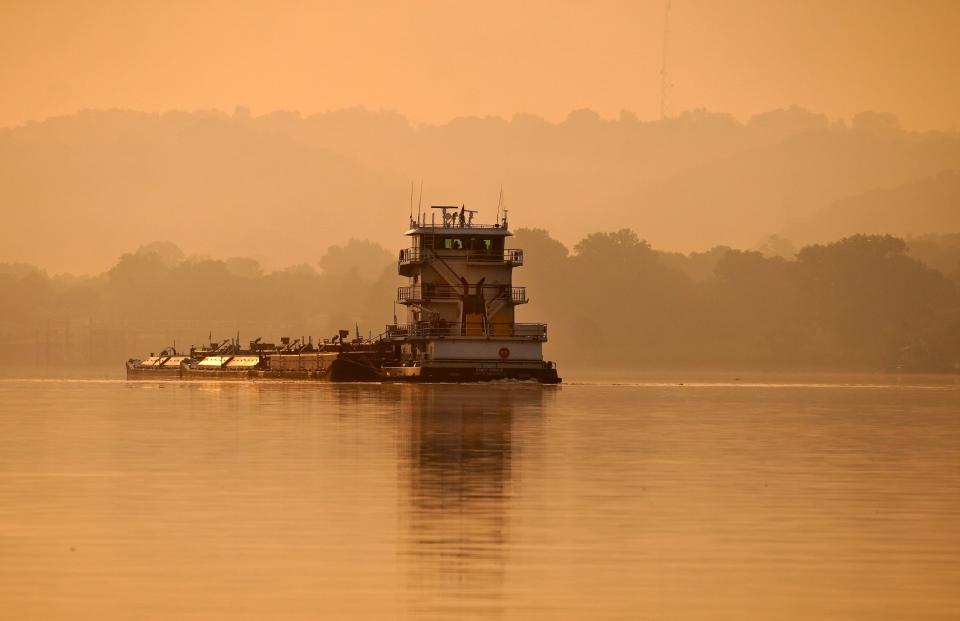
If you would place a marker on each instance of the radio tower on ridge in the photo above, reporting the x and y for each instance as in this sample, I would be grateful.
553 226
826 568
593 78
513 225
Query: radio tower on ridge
665 83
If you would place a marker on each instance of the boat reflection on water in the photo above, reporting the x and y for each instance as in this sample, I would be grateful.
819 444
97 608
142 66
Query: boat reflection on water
459 464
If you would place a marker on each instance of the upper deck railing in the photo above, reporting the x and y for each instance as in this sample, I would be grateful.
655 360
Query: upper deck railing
454 225
417 293
534 331
453 217
511 256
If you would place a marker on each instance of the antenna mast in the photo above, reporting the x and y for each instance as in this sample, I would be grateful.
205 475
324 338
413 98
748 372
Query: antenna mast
499 203
664 75
419 200
411 203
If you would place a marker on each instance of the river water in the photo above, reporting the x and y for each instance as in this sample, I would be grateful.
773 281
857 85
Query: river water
725 498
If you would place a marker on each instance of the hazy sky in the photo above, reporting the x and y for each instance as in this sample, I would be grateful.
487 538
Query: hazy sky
436 60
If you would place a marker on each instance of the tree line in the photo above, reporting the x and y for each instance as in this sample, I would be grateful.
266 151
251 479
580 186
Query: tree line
860 303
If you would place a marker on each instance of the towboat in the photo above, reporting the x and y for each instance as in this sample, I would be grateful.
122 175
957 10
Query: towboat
460 323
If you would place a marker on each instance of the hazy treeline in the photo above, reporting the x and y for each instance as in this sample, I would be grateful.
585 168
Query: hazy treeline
864 302
77 191
157 296
858 303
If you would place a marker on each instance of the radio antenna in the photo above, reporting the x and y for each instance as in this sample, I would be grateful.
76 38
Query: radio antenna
420 200
411 203
499 203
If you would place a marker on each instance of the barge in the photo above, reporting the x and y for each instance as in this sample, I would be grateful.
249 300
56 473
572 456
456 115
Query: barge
166 364
460 323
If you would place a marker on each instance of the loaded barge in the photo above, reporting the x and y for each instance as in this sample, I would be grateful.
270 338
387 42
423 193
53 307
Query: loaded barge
460 323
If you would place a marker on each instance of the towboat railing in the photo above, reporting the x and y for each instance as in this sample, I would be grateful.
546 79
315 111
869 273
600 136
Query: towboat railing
510 256
425 224
534 331
416 293
411 255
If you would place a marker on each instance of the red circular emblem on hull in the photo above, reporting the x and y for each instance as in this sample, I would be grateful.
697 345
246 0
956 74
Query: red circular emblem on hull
504 352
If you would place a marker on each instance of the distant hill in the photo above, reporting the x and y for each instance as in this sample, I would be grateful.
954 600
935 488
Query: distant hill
931 205
78 191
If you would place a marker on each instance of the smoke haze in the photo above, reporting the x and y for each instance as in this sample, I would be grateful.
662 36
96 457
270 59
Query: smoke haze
244 154
81 190
436 61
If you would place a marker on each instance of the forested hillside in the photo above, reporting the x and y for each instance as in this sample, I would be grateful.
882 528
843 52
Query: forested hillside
78 191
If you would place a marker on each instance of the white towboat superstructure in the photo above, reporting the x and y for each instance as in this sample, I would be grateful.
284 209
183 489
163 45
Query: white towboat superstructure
461 304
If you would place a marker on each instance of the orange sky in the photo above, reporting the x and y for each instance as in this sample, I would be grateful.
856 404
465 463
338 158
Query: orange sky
436 60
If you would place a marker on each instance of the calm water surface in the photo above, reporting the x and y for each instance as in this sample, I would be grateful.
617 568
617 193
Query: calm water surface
733 499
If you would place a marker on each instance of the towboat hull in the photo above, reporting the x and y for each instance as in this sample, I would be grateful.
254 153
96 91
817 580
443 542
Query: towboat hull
541 373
